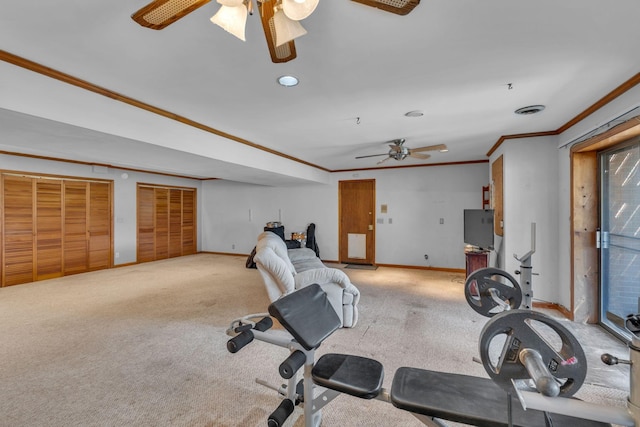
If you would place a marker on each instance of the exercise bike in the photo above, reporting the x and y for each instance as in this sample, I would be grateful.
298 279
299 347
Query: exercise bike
491 290
522 360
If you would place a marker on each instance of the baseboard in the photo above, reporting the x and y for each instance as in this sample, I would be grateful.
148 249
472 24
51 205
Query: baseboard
222 253
126 264
554 306
414 267
419 267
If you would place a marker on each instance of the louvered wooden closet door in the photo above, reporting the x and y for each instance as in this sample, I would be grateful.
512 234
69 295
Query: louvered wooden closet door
48 228
175 223
188 222
162 223
76 251
99 225
53 227
18 210
146 224
166 222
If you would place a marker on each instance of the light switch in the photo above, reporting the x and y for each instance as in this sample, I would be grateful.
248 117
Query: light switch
390 220
380 221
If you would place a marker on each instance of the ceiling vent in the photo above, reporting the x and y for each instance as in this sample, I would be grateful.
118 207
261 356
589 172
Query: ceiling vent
532 109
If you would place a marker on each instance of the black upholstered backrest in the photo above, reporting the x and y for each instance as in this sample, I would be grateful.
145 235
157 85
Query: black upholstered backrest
307 314
311 239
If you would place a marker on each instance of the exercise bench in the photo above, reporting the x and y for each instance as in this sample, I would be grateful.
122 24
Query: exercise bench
430 396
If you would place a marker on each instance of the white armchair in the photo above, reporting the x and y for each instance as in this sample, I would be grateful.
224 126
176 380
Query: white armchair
285 270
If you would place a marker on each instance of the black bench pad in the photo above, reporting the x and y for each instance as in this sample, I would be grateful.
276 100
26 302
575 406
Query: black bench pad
358 376
466 399
307 314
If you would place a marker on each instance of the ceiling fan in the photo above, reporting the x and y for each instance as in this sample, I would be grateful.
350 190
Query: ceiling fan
279 18
399 151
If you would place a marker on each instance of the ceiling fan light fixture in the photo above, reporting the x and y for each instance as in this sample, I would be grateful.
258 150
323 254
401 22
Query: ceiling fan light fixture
299 9
399 7
288 81
531 109
286 29
160 13
232 19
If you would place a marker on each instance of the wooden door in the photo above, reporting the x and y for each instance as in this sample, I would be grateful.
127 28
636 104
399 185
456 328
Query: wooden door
48 226
162 223
175 222
53 227
76 250
99 225
497 173
166 222
146 224
357 221
18 212
188 222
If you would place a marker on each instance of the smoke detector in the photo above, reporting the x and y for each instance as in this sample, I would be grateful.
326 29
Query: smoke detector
531 109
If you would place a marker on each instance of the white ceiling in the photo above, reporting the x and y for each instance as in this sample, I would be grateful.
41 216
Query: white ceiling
451 59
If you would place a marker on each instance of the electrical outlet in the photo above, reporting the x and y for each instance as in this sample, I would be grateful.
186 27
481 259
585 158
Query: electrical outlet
441 220
426 256
233 246
117 254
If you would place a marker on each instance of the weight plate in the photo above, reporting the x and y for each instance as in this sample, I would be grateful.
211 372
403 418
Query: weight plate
485 285
519 329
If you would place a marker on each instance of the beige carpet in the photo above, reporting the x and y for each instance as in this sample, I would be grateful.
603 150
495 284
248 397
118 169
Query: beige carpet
144 345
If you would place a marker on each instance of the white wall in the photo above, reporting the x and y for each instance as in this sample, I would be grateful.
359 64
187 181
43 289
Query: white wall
416 199
234 214
124 194
531 196
537 189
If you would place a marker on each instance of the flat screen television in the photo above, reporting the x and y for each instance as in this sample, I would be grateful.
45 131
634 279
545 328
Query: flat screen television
478 228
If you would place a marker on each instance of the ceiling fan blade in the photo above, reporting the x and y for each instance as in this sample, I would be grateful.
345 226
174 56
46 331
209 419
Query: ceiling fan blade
383 160
160 13
372 155
399 7
419 155
430 148
282 53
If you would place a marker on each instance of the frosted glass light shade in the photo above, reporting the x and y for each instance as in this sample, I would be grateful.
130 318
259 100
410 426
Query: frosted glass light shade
286 29
299 9
232 19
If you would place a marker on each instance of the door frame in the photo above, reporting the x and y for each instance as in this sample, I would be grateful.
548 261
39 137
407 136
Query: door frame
585 215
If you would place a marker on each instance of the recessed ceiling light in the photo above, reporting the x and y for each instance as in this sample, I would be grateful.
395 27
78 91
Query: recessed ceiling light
414 113
287 81
531 109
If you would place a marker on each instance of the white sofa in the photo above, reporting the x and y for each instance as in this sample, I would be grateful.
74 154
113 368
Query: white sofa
287 270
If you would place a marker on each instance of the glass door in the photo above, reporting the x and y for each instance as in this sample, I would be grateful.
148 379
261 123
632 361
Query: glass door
619 236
